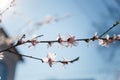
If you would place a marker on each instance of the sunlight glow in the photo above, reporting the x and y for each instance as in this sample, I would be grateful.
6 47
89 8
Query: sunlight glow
4 4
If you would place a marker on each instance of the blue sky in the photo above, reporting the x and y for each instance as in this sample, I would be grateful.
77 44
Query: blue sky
79 24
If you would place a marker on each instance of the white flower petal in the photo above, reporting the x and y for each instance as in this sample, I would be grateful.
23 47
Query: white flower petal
101 42
51 55
107 37
45 60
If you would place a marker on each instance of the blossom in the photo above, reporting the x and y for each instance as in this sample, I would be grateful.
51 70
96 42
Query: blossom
118 36
60 40
105 42
50 59
1 56
95 36
71 41
34 40
114 37
21 40
107 37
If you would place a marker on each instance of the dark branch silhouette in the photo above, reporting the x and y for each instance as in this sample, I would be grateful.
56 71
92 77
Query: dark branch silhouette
69 61
114 25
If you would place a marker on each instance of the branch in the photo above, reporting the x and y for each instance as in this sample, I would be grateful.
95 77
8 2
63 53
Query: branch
69 41
6 9
34 42
50 60
25 55
114 25
68 61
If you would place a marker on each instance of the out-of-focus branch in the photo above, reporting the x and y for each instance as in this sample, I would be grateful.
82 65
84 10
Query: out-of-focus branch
34 26
9 6
12 3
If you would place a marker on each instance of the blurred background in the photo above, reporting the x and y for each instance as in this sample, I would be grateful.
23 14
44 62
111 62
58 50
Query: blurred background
81 18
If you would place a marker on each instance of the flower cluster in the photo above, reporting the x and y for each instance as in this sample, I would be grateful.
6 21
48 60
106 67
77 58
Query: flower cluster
50 59
107 40
69 42
34 40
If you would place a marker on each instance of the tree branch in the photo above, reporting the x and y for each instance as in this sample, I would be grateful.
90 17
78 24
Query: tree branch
114 25
70 41
6 9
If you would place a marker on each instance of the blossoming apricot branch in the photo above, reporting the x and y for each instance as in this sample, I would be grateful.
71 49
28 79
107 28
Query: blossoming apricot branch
50 58
69 42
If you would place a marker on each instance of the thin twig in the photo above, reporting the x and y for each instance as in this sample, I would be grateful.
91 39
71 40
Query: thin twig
6 9
23 55
114 25
32 57
51 41
59 61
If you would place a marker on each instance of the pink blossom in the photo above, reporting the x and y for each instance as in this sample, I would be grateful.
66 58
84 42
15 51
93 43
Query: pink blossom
105 42
34 40
60 39
118 36
50 59
21 40
93 38
71 41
